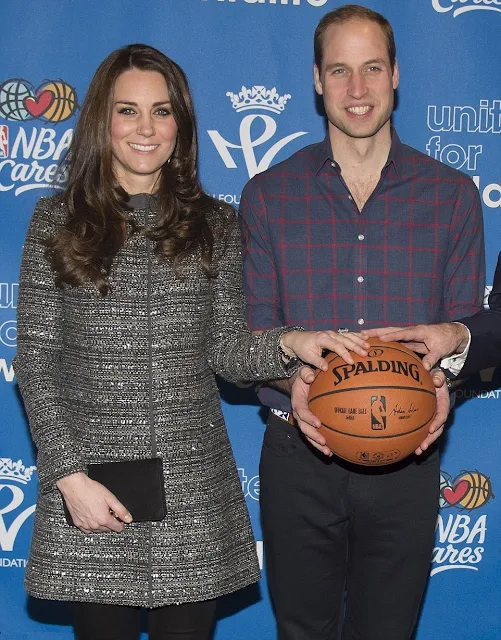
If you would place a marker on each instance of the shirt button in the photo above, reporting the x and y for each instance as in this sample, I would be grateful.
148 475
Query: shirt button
333 165
360 278
350 198
361 321
361 237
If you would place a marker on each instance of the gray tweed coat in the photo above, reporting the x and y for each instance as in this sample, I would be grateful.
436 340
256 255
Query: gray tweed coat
116 377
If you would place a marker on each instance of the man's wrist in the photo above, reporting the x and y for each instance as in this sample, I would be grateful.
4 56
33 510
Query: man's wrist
453 364
464 336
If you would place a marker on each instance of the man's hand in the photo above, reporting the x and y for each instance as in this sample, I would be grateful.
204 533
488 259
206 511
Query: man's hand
436 427
307 422
92 506
435 341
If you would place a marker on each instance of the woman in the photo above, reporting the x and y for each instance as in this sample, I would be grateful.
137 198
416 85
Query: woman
130 302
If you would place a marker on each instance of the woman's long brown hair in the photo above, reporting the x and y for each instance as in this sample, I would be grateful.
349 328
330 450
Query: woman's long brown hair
96 227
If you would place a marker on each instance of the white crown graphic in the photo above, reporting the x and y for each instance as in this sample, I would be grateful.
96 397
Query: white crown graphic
258 97
10 470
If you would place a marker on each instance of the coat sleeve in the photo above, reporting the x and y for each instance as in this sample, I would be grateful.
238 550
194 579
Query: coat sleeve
39 346
485 329
234 353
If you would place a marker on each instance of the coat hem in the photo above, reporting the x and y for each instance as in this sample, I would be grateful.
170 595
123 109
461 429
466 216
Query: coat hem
146 601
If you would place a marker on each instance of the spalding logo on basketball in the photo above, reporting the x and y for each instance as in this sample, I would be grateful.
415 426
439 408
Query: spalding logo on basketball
377 410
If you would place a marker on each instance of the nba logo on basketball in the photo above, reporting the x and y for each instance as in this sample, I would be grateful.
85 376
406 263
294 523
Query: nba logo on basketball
378 413
4 141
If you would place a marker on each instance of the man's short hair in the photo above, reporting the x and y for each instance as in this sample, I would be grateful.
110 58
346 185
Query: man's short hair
348 13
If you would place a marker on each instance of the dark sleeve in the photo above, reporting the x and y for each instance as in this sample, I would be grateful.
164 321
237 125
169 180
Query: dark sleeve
39 347
485 329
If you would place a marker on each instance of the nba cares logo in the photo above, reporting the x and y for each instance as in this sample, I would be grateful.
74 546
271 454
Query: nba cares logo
460 537
464 6
257 99
30 154
52 101
12 475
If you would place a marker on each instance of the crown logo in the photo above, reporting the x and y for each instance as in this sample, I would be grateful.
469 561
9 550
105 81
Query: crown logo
258 97
11 470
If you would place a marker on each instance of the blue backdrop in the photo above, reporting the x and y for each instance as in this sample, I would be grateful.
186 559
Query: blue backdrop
449 106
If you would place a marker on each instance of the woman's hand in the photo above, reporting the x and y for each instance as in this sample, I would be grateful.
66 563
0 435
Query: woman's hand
92 506
306 421
309 345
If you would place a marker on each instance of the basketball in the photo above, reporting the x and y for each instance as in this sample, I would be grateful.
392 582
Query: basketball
377 410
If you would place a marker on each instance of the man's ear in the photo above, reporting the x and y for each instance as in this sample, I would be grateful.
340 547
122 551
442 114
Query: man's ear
396 75
318 83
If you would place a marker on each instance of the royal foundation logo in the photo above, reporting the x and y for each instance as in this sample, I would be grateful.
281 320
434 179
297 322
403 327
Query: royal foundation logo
260 108
30 155
458 7
14 512
460 537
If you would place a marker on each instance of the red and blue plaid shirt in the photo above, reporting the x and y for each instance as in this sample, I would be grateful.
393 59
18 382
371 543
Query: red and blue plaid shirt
414 254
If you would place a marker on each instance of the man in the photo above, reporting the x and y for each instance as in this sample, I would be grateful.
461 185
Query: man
356 231
463 347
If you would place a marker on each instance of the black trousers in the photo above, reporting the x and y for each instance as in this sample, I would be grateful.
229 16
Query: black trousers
190 621
348 548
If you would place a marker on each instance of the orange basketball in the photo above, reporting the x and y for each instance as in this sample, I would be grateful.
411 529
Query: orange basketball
377 410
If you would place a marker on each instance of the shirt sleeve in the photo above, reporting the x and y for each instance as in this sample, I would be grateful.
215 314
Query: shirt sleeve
464 277
260 278
37 362
234 353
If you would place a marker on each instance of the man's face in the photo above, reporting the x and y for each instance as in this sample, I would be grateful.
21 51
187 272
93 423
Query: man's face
356 80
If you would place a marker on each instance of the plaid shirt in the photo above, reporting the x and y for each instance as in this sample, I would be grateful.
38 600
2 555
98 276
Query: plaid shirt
414 254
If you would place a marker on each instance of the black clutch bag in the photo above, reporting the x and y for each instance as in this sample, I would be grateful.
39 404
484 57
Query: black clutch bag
138 484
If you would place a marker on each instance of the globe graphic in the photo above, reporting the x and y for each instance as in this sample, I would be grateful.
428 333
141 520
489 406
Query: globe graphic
445 481
13 93
65 101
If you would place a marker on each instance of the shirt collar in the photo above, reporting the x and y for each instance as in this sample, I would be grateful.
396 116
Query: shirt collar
322 153
395 157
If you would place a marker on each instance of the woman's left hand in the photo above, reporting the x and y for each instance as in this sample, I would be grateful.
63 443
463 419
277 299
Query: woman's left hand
308 346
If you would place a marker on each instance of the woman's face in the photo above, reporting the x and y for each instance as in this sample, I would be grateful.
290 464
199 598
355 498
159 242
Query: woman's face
143 129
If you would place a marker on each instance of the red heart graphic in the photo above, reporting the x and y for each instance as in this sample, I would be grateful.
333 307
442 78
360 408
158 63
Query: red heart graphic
455 494
38 105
